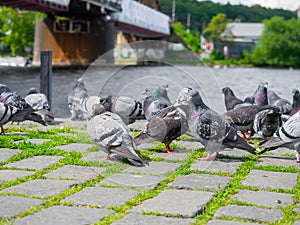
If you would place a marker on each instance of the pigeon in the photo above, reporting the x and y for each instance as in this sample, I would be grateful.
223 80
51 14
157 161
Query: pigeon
82 108
296 102
168 125
230 99
242 119
6 113
79 90
26 112
108 131
267 121
211 129
284 105
153 104
288 135
161 91
126 107
39 102
261 94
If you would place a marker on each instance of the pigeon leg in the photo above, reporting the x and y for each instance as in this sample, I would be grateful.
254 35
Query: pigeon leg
297 157
108 157
168 150
2 130
209 157
246 135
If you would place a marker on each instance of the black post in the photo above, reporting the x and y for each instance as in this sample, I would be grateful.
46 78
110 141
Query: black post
46 75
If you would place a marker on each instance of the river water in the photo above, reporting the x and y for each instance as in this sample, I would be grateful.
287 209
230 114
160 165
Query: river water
132 81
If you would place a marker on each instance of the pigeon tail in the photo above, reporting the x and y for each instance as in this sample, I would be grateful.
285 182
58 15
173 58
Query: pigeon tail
36 118
240 143
143 138
133 158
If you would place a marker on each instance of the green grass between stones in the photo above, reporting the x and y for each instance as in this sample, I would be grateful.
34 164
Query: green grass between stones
222 196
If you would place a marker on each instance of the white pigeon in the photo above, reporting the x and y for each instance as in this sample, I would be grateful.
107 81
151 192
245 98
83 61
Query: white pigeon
288 135
109 132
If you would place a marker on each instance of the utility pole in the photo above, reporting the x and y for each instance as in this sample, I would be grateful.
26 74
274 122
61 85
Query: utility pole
173 11
188 22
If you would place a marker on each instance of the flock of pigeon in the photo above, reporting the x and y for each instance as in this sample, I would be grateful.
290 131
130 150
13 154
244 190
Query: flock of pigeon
15 108
275 119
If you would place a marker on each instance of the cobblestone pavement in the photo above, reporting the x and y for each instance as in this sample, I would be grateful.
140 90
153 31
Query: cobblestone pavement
48 188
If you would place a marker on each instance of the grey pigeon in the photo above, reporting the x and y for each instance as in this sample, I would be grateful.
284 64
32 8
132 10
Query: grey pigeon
81 109
79 90
169 124
160 91
296 102
242 119
39 102
230 99
26 112
154 103
211 129
267 121
126 107
284 105
261 94
6 113
109 132
288 135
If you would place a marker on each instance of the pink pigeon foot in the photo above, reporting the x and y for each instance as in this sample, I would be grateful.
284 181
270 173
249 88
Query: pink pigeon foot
169 150
209 158
298 159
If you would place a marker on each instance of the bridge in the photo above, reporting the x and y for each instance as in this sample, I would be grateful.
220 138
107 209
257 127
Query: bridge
79 31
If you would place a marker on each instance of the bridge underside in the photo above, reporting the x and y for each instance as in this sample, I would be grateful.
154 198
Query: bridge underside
36 5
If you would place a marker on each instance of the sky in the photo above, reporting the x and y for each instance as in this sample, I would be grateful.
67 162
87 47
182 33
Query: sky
284 4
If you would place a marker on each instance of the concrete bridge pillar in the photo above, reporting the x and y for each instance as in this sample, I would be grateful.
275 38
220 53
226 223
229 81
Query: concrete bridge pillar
73 42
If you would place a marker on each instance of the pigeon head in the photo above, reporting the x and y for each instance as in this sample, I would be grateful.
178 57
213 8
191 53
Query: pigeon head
227 91
97 110
295 92
261 94
32 90
183 96
196 100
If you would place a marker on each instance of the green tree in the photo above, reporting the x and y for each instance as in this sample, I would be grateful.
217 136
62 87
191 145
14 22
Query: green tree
191 41
279 44
17 30
215 27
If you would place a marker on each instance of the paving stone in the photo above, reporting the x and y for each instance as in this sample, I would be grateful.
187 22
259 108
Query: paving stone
76 172
11 206
101 156
65 135
159 168
185 203
228 222
6 153
249 213
190 144
75 147
41 188
35 163
264 198
297 209
278 161
219 165
102 196
133 180
139 219
200 181
146 146
281 151
17 133
234 153
8 175
62 215
180 154
33 141
271 180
